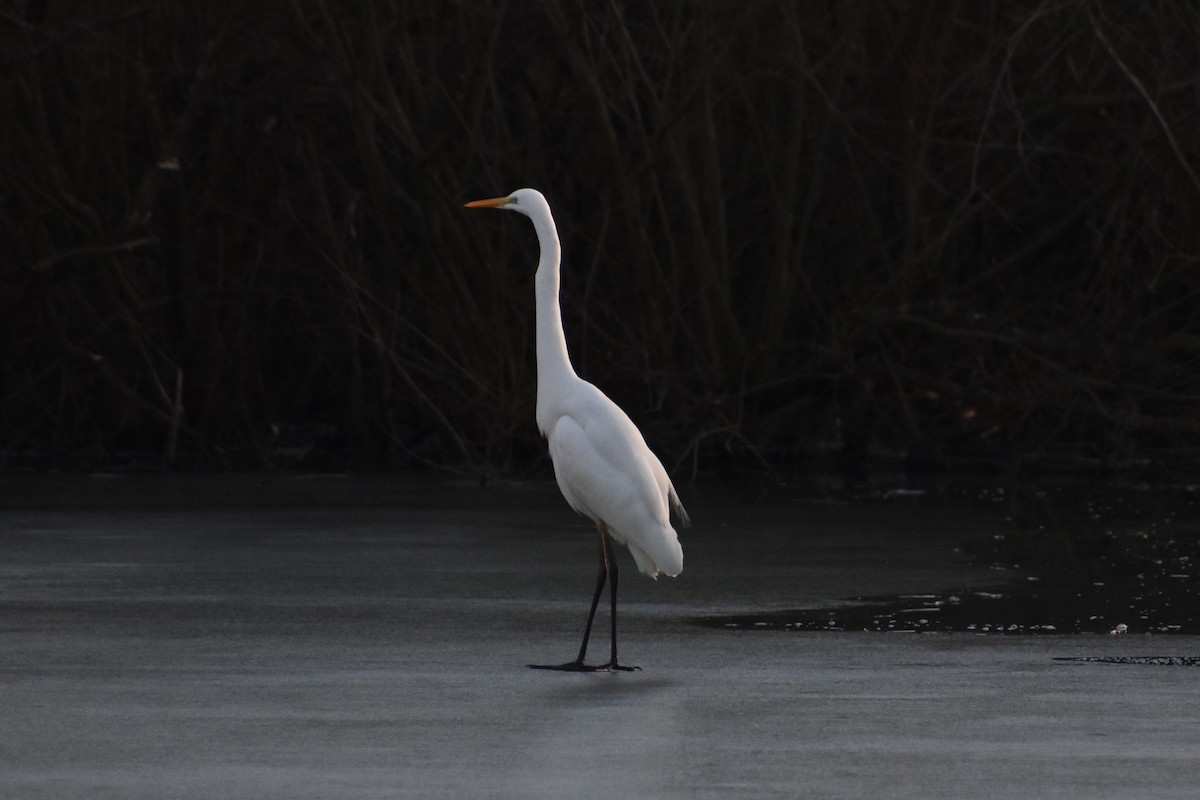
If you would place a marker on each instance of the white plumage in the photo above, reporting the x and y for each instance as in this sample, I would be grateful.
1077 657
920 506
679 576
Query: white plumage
601 461
606 472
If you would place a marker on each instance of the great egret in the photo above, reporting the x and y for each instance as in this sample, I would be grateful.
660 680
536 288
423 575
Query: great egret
601 461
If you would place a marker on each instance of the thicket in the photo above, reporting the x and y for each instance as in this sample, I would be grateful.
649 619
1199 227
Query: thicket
232 233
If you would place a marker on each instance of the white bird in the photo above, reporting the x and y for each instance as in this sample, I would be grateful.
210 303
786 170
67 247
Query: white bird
601 461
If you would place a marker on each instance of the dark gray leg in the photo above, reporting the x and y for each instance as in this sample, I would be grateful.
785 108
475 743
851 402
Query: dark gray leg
607 571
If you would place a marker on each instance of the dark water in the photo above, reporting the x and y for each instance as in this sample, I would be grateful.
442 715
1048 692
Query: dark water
1121 560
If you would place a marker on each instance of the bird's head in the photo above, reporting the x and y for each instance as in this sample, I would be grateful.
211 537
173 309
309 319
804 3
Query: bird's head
525 201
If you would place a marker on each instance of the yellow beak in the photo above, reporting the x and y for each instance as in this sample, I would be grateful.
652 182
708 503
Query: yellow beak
495 202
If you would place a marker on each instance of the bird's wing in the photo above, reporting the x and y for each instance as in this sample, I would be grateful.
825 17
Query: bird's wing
668 490
601 459
606 471
637 442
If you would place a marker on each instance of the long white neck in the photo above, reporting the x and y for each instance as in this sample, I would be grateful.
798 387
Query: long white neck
554 368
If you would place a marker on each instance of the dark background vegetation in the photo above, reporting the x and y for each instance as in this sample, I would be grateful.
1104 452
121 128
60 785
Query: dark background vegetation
796 234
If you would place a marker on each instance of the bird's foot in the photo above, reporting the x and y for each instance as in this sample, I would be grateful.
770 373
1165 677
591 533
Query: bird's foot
570 666
579 666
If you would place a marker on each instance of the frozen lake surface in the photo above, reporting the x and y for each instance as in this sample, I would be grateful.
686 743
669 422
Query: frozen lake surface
292 637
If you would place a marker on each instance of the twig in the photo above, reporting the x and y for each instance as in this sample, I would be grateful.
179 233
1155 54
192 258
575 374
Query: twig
55 39
1141 89
88 251
176 417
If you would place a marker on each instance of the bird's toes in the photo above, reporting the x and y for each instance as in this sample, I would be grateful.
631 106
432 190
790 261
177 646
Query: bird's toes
570 666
